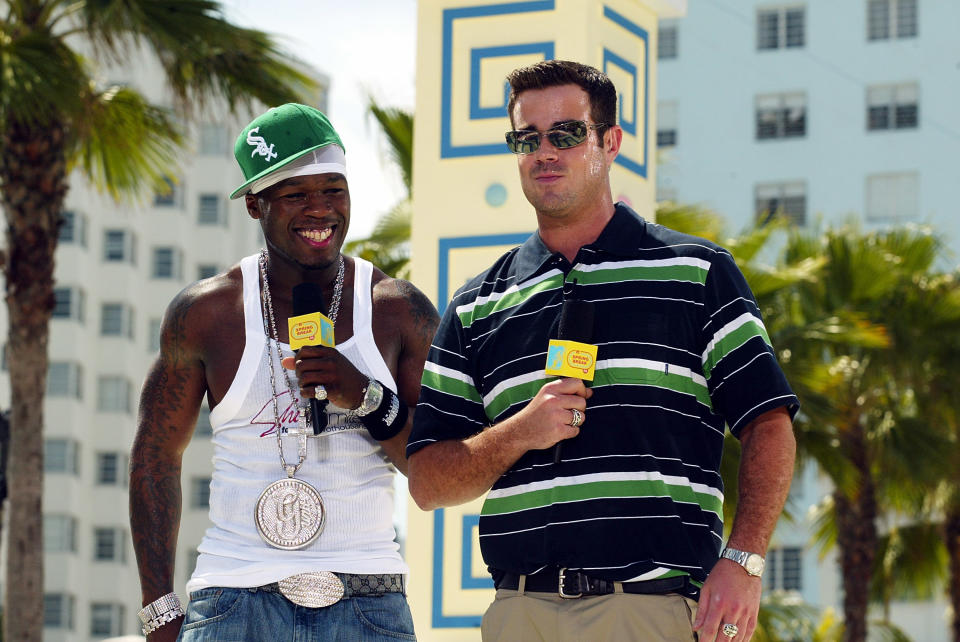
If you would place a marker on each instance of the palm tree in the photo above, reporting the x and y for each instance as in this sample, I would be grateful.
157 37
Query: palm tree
866 332
388 246
53 117
870 439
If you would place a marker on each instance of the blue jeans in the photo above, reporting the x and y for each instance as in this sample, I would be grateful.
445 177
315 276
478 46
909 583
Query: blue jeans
250 614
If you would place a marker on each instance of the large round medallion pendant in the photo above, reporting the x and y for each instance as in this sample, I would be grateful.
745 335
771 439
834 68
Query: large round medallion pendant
290 514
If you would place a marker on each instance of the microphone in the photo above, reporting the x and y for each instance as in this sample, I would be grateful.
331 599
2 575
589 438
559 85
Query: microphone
307 299
576 324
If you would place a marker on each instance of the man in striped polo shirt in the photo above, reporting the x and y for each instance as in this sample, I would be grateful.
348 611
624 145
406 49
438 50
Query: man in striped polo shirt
620 538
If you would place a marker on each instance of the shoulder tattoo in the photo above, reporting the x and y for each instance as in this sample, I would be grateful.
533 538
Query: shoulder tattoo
422 311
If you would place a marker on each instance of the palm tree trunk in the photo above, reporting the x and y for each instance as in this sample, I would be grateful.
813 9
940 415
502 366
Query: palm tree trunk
33 178
952 528
856 537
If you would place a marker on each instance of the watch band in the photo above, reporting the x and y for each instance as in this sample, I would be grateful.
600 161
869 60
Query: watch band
159 606
162 610
752 563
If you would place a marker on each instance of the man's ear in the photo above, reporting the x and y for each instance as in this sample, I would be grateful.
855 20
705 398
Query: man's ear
612 138
253 206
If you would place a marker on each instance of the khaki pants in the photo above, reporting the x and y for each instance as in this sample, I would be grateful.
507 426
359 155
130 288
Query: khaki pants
619 617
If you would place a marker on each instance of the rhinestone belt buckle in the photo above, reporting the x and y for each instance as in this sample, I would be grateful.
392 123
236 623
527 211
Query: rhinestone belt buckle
314 590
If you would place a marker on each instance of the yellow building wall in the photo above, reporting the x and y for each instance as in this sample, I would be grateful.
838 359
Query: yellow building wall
469 208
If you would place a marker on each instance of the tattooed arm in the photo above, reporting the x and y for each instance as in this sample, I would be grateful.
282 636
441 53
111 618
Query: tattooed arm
414 320
169 405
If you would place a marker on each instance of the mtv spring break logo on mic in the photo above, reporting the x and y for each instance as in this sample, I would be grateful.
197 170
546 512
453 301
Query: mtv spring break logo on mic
571 359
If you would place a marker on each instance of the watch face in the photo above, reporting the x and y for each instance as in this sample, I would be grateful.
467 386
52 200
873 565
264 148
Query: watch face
371 401
754 564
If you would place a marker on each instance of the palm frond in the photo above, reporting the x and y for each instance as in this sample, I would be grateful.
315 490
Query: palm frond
691 219
388 246
397 126
784 617
40 77
911 563
204 56
125 144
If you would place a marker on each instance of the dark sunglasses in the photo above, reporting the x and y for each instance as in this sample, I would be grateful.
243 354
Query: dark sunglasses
563 136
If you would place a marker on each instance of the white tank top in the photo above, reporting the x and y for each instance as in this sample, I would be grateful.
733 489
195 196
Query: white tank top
345 464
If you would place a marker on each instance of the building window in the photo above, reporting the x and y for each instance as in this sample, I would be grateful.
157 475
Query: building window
780 28
106 619
781 116
68 303
113 394
58 611
108 545
214 140
207 270
784 569
73 228
891 18
200 492
170 195
166 263
118 246
211 210
116 320
666 124
64 380
784 199
61 456
667 43
111 469
893 107
153 335
893 198
59 534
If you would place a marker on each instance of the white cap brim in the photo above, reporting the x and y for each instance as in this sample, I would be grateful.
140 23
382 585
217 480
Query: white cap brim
326 160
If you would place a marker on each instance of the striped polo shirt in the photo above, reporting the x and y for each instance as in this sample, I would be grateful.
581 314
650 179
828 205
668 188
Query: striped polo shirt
682 352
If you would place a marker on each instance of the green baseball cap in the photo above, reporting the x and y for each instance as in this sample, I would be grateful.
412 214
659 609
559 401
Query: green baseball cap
278 145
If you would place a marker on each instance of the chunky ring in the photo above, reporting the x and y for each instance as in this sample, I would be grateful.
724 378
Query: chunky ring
577 418
731 630
320 393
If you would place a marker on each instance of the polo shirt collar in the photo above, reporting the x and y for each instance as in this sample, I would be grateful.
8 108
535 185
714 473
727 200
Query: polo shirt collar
621 236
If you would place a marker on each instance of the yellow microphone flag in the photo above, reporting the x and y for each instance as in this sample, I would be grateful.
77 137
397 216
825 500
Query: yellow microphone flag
310 330
571 359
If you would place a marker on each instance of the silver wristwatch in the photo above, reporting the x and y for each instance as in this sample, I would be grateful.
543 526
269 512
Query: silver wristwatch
372 397
752 563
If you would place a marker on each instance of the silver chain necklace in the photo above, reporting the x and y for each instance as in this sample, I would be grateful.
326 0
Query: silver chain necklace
273 339
290 512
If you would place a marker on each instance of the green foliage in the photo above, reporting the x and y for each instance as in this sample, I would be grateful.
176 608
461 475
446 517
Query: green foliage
121 141
868 333
397 125
388 246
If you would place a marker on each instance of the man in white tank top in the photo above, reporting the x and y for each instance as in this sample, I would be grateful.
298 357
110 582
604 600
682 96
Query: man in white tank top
306 444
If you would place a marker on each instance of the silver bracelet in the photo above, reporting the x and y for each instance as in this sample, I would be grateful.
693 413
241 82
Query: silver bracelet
159 621
162 610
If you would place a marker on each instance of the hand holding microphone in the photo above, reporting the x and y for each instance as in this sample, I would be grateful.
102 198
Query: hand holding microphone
317 362
571 355
308 299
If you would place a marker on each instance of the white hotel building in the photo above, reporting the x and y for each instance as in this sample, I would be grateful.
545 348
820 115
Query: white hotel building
836 109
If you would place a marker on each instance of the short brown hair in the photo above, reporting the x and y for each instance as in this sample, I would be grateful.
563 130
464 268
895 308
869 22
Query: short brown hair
554 73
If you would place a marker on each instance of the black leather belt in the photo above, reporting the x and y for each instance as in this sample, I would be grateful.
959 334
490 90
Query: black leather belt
573 584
